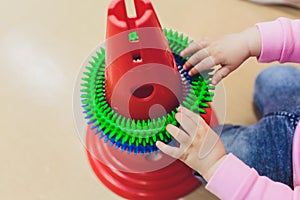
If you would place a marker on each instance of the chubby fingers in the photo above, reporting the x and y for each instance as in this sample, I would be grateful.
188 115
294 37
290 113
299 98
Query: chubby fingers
196 118
195 46
195 58
200 61
179 136
192 48
205 64
189 125
198 51
175 152
220 74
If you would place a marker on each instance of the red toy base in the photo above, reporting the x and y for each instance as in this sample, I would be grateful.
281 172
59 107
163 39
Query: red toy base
171 182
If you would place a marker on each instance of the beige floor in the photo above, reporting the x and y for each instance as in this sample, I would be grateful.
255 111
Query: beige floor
42 45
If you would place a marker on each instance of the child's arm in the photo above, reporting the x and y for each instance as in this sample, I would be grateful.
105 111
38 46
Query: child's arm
234 180
278 40
227 176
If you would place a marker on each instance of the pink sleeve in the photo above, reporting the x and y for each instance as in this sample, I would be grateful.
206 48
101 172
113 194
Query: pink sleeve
280 40
235 180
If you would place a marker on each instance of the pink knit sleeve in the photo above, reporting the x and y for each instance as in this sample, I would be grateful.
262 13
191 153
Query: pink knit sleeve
234 180
280 40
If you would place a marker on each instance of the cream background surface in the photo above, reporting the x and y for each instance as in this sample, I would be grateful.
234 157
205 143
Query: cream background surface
42 45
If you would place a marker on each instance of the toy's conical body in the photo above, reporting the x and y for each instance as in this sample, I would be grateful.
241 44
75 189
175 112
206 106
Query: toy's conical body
141 71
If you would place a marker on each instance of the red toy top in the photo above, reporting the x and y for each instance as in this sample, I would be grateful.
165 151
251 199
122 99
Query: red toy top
142 80
118 21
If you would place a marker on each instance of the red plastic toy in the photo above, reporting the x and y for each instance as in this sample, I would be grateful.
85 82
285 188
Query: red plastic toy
124 55
126 39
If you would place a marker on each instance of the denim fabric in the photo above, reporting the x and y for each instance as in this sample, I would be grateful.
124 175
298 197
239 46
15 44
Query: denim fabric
267 145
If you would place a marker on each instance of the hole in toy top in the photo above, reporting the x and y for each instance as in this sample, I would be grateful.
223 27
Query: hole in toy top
130 8
137 58
143 92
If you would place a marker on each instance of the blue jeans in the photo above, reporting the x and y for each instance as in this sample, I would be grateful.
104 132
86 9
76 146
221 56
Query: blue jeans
267 145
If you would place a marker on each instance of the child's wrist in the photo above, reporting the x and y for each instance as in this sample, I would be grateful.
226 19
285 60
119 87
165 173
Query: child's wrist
252 38
212 169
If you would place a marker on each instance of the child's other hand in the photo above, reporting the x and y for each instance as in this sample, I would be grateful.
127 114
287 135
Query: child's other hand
230 51
200 147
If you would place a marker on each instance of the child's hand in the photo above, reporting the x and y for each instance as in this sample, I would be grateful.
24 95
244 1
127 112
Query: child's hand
200 147
230 51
